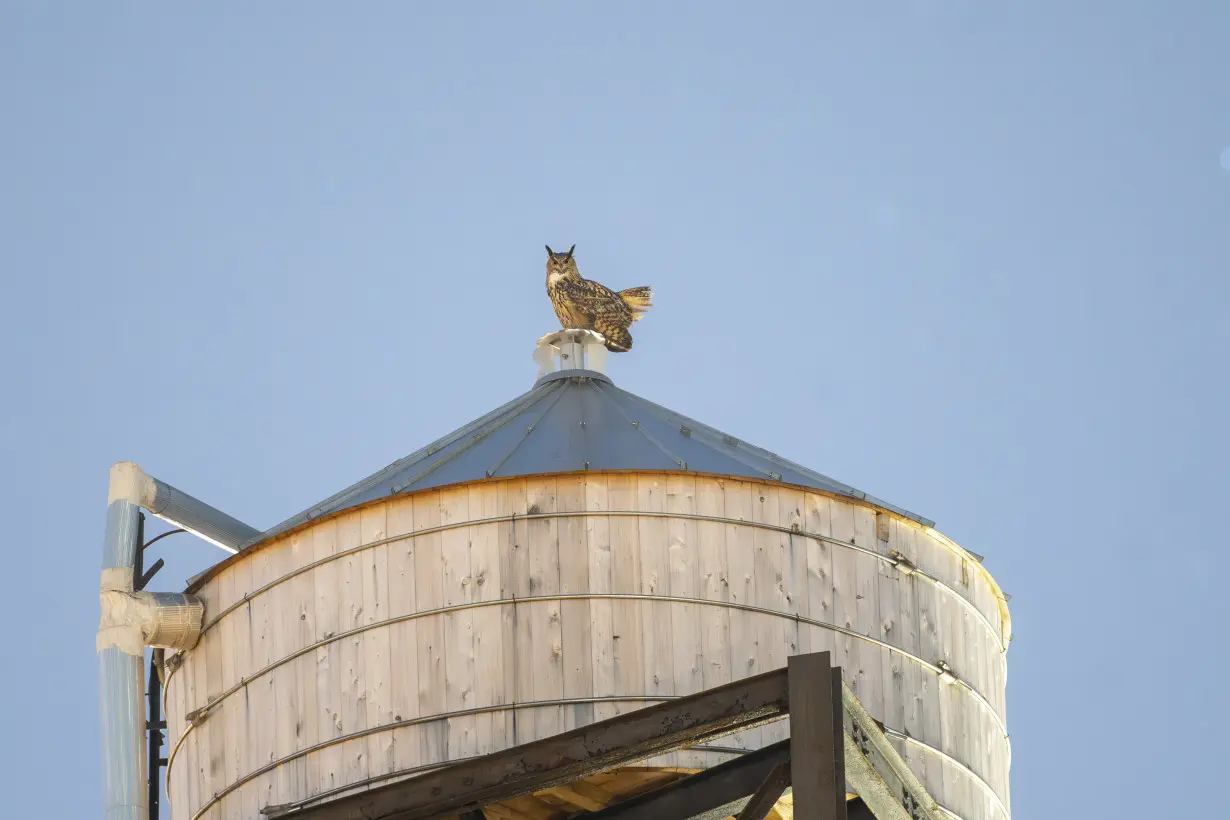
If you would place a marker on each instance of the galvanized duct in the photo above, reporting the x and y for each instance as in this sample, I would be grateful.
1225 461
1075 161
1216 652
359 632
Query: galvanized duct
132 620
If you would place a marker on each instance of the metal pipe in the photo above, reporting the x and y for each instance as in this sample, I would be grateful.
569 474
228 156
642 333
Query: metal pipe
121 672
132 620
178 508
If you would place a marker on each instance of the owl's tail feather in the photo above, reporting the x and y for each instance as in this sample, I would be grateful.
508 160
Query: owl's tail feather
638 299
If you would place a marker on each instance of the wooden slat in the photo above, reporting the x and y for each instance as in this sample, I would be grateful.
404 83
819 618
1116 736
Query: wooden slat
817 519
493 728
714 583
403 637
377 643
866 678
546 632
600 566
657 637
844 580
286 692
627 617
429 595
741 561
772 635
458 590
328 657
349 579
302 613
575 616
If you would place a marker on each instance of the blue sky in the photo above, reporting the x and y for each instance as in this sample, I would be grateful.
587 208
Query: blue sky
970 257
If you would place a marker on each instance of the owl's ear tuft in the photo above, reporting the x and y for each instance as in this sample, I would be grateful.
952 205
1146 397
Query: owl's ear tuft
549 251
570 250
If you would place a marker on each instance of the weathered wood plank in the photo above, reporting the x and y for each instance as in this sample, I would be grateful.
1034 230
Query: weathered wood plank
493 728
403 637
714 582
546 631
657 637
741 563
600 566
429 595
377 643
627 617
459 662
772 636
349 574
817 520
575 616
682 553
845 588
869 657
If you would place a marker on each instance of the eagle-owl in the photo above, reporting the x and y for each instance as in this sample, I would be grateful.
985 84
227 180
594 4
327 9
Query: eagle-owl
585 305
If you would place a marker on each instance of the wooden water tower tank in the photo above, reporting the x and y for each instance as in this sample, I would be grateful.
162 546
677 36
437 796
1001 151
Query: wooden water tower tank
575 554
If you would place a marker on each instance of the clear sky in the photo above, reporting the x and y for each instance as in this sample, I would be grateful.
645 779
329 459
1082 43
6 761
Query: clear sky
968 256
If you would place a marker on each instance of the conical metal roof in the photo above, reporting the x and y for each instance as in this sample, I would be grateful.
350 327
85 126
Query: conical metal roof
575 419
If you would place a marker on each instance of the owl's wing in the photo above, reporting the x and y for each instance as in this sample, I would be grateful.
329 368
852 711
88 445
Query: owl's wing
593 299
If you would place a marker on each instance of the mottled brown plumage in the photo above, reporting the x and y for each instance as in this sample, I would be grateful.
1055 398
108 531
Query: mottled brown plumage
582 304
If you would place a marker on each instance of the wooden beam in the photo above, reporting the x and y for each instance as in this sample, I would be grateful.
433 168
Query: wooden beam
561 759
715 788
817 741
765 797
582 795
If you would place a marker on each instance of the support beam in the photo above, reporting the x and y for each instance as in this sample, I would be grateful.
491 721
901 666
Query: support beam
766 795
877 773
555 761
715 788
816 738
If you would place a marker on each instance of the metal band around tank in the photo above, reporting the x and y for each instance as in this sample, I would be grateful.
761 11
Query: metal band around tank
198 714
585 596
985 785
401 724
916 571
503 707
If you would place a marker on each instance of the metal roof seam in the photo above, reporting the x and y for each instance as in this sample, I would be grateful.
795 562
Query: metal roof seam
529 430
552 412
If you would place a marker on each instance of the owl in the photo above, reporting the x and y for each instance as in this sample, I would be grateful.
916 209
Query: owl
585 305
